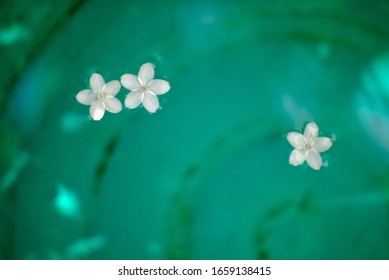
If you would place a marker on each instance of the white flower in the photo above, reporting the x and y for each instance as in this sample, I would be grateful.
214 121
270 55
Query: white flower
308 146
100 97
144 89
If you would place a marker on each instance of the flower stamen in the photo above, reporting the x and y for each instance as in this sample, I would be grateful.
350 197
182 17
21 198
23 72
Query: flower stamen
101 95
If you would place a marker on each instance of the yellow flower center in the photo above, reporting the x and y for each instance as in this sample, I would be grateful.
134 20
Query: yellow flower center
308 146
101 95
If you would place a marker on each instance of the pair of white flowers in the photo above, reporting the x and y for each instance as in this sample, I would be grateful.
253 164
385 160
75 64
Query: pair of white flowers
144 89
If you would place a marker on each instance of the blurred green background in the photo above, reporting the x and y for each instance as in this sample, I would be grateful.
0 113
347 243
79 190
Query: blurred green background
207 176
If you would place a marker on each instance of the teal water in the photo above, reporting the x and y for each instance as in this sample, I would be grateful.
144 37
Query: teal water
206 176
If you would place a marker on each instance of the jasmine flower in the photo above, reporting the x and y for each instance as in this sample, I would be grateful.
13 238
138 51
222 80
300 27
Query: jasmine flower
308 146
100 97
144 88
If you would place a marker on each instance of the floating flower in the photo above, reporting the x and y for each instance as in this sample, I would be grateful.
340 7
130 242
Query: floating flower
308 146
144 88
100 97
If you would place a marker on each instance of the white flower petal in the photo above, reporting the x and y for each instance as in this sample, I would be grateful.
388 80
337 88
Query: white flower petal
133 99
322 144
97 110
111 88
112 104
96 83
86 97
150 102
159 87
146 73
130 82
311 131
297 157
314 160
295 139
